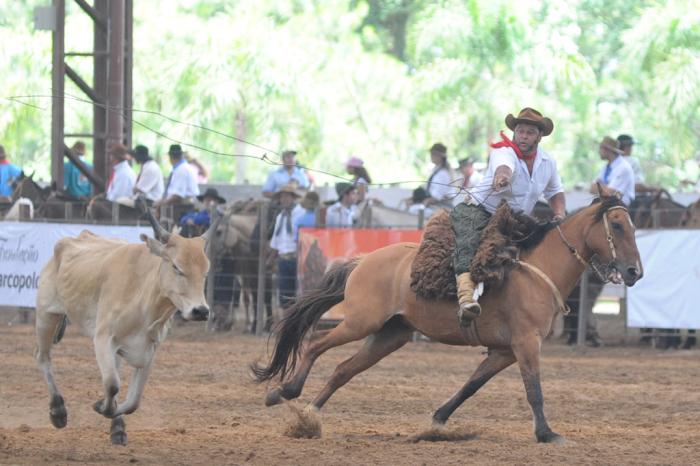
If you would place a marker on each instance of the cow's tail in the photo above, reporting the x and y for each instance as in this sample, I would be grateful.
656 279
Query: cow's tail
60 330
302 316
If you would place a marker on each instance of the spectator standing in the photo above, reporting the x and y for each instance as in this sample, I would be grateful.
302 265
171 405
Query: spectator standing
9 173
149 183
439 188
468 180
341 214
75 183
181 187
617 174
355 166
309 203
121 181
283 244
288 174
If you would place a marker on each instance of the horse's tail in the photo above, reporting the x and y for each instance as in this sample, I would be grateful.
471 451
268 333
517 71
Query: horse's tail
300 317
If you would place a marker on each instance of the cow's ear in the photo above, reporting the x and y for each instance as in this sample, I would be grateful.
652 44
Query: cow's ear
155 246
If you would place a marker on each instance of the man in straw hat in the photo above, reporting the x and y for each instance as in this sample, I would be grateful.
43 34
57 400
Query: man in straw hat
519 172
617 174
283 244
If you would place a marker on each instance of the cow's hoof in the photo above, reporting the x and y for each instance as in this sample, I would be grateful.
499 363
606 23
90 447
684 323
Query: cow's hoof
118 438
57 412
551 437
274 397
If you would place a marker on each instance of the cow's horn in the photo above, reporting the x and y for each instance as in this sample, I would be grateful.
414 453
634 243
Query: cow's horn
212 228
161 233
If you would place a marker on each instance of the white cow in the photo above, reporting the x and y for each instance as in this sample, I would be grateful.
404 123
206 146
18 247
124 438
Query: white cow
122 295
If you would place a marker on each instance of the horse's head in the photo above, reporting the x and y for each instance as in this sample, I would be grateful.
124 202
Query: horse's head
612 240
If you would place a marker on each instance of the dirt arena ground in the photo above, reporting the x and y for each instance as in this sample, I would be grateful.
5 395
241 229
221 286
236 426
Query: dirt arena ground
614 405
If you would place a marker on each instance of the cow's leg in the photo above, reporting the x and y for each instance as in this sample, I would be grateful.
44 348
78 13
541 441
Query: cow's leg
136 386
527 352
107 361
46 326
117 432
495 362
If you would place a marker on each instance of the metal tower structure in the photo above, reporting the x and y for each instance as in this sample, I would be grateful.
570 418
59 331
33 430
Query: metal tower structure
111 89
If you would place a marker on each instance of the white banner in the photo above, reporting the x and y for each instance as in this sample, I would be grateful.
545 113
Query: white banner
26 247
668 296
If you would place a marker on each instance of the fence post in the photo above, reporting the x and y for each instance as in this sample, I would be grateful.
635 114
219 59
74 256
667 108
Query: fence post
68 210
421 219
260 305
115 213
211 247
24 212
582 311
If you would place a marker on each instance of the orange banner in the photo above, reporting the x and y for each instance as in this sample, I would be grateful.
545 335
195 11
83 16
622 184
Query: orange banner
320 246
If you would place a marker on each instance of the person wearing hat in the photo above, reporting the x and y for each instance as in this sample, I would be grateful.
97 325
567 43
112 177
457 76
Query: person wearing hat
625 142
149 183
122 179
75 183
342 213
288 173
181 187
519 172
617 174
439 188
417 199
283 244
355 166
195 223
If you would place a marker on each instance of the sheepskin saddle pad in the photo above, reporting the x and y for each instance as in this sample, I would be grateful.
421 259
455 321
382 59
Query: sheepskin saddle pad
432 271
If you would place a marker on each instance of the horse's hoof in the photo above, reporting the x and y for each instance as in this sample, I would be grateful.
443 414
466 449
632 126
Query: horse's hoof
274 397
58 413
437 425
108 412
551 437
118 438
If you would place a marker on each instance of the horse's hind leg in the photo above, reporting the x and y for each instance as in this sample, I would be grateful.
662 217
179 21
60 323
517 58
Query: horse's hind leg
46 327
392 336
291 389
495 362
527 352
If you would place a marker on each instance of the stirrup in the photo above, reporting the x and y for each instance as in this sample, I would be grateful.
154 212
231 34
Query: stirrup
468 312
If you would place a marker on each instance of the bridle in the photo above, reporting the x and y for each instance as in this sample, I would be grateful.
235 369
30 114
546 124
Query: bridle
596 265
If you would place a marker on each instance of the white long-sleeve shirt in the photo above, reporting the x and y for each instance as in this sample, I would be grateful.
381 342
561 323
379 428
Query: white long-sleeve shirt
150 181
620 178
284 240
183 182
122 183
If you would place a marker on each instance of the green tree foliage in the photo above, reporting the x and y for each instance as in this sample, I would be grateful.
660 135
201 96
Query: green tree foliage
381 79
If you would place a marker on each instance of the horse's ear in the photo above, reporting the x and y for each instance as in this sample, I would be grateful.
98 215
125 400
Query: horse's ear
604 191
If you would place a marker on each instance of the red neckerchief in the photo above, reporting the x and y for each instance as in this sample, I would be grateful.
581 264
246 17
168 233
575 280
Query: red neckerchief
505 142
4 162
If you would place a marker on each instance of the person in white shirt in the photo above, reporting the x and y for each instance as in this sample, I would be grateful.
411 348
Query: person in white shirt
625 142
181 187
341 214
149 182
617 174
121 181
519 172
439 187
283 244
468 180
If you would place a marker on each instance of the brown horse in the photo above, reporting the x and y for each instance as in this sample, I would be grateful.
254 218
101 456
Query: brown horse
374 295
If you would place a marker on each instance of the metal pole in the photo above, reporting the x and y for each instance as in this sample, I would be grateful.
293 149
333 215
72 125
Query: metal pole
421 219
212 272
582 310
260 305
57 90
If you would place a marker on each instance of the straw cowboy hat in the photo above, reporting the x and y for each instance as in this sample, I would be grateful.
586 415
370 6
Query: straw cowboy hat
610 144
289 189
530 116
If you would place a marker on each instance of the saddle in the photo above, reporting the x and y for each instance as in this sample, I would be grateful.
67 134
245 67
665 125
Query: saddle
508 232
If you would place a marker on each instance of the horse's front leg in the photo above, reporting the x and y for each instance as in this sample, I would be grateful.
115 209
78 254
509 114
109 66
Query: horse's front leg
527 352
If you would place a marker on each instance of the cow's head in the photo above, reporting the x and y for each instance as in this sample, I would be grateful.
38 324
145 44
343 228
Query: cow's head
184 269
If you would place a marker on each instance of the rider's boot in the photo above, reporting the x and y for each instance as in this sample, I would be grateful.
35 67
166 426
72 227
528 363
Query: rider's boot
469 309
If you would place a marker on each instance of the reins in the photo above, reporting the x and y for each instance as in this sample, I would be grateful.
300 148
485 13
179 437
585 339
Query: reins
574 252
